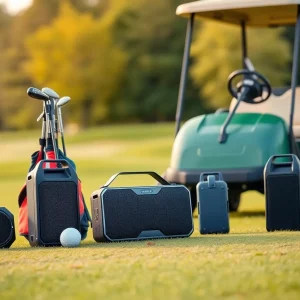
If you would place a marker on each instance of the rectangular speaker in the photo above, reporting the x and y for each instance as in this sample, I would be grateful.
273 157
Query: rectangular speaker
53 202
282 192
141 212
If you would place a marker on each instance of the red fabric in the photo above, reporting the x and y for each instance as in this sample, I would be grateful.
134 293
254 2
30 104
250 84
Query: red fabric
23 218
51 156
81 205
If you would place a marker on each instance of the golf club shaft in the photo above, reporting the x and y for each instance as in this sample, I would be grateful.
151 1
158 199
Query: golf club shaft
44 124
53 128
61 129
61 102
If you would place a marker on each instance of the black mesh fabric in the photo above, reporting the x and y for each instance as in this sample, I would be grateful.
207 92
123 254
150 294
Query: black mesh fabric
58 209
127 214
5 228
283 203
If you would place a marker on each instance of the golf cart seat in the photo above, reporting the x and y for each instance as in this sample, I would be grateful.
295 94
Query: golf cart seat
278 105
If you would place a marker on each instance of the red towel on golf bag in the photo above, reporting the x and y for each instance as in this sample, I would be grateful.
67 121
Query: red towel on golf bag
22 199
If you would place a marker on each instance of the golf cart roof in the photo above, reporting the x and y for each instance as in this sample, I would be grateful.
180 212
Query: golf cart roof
253 12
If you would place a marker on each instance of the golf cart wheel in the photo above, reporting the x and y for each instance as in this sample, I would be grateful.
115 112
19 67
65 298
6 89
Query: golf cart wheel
193 198
234 198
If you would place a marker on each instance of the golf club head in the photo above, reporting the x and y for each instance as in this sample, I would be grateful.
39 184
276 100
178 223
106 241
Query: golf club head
37 94
50 93
62 101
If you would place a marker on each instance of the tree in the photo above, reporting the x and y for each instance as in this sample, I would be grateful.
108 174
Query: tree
217 52
153 36
76 56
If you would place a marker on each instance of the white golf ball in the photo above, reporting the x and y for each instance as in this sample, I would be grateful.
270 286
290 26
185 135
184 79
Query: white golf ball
70 237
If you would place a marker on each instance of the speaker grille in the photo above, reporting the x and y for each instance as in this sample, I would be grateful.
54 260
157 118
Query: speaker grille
58 209
5 228
127 214
283 202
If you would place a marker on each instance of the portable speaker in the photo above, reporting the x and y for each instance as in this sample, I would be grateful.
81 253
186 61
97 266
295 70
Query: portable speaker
212 195
7 228
282 193
142 212
53 202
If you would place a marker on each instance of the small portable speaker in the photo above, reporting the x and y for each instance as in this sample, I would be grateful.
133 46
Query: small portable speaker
212 195
53 202
7 228
141 212
282 192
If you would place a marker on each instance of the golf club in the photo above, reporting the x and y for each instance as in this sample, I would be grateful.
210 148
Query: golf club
54 96
61 102
50 114
50 93
37 94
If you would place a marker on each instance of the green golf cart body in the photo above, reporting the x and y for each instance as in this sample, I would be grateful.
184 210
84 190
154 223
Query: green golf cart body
254 131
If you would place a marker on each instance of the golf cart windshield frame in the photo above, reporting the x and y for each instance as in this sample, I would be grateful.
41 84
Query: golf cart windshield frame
186 58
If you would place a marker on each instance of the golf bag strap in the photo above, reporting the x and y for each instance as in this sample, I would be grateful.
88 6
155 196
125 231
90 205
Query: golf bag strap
152 174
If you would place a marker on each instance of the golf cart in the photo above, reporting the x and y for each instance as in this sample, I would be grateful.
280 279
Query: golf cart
260 121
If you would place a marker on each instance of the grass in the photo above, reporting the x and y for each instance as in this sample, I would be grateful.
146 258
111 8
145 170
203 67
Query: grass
245 264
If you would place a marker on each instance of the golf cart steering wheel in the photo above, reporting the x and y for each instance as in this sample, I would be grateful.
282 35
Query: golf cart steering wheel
256 87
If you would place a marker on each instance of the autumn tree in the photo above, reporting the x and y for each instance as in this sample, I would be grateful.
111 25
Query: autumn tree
76 56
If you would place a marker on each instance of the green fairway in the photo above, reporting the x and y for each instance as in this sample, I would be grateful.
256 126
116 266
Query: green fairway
248 263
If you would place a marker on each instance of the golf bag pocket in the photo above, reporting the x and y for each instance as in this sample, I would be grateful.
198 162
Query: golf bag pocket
51 197
141 212
212 198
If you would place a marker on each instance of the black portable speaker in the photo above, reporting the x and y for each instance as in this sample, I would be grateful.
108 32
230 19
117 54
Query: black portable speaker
142 212
7 228
282 192
53 202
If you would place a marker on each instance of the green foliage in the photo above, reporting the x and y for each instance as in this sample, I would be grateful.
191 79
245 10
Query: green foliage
217 53
76 56
153 37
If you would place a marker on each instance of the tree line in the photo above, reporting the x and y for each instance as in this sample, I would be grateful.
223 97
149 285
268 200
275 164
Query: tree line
120 61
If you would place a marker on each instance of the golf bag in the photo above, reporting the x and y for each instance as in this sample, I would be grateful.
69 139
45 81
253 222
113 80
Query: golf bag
22 199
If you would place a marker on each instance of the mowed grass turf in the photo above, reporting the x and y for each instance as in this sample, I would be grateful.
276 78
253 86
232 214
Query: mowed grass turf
248 263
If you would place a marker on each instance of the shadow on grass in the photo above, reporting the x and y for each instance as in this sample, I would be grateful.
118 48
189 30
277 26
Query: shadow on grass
243 214
205 241
198 241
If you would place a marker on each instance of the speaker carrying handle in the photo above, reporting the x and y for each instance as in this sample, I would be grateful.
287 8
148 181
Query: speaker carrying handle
204 175
152 174
287 163
62 166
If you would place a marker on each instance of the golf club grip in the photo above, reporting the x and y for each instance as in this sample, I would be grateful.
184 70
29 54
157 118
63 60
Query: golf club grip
152 174
202 175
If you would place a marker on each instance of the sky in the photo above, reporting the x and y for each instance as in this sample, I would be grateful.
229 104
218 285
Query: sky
14 6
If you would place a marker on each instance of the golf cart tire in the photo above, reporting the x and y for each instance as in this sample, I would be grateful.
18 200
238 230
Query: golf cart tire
193 198
234 199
